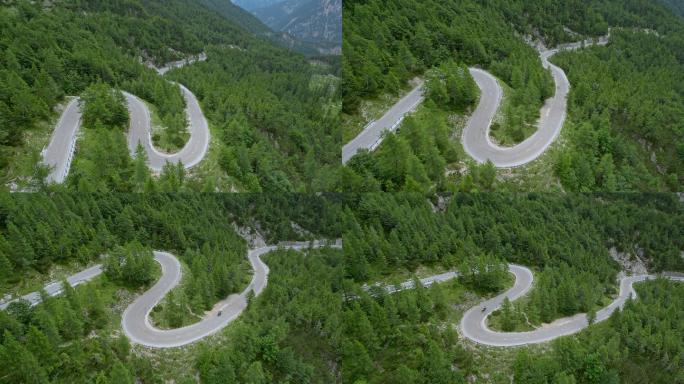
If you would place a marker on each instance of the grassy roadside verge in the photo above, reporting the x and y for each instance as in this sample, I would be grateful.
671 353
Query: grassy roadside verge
34 281
160 134
370 109
21 162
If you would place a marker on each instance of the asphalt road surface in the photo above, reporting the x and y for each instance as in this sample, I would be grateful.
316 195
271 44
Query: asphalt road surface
136 323
135 320
60 150
475 137
371 136
140 132
474 325
55 288
179 63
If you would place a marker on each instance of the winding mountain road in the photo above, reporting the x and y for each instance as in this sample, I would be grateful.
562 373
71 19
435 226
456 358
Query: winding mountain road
136 317
60 150
475 137
140 132
474 322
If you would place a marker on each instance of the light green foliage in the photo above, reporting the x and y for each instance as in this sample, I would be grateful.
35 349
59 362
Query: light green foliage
412 160
451 86
170 105
484 274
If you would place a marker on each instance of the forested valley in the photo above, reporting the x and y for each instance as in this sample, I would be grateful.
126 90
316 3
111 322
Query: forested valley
625 99
59 49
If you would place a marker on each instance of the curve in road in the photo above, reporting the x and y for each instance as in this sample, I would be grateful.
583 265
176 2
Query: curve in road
136 323
140 132
136 317
475 137
474 322
60 150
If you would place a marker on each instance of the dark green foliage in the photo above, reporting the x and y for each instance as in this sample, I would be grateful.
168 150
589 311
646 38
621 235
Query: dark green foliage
412 161
565 238
626 115
450 86
69 338
276 129
635 345
301 325
66 228
65 339
167 97
130 264
484 274
625 105
388 43
676 5
103 107
102 163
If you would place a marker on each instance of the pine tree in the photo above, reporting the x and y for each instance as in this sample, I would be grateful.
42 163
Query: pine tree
18 364
120 374
39 345
255 374
508 320
356 363
141 173
47 324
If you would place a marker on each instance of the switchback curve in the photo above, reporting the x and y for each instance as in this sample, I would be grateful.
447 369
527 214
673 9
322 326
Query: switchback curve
473 325
475 137
59 152
474 322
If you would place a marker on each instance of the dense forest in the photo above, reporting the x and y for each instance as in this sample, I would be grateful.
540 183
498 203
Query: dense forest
39 231
60 49
565 238
641 344
275 115
624 125
314 322
626 109
676 5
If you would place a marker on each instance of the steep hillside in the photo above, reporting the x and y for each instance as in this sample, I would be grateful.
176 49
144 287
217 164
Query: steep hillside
624 127
252 5
676 5
317 21
236 14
